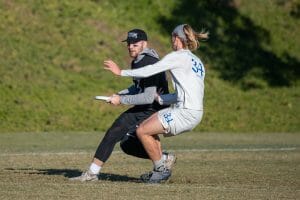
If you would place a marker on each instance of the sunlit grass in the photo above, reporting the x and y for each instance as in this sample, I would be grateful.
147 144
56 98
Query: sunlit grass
209 166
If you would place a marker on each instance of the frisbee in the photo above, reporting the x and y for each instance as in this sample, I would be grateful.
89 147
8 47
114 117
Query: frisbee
103 98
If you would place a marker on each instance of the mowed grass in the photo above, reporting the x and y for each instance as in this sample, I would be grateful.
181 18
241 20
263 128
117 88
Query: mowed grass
209 166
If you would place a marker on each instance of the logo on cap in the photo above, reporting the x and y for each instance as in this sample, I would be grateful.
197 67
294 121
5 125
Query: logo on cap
132 35
135 35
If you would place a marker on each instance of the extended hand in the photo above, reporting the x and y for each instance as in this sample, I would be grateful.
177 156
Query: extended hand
112 66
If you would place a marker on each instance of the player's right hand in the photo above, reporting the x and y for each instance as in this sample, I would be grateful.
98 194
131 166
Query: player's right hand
115 99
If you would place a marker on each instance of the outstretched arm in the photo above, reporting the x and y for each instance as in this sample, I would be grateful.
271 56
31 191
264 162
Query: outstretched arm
170 61
147 97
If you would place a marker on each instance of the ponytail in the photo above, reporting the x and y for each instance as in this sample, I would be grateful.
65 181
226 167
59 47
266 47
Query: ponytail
192 37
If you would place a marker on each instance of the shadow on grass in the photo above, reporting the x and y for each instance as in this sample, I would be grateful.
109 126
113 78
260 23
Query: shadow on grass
70 173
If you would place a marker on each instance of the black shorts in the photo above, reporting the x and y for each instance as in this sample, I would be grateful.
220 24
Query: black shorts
131 145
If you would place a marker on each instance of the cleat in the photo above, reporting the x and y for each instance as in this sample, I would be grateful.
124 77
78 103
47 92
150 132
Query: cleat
85 176
170 161
146 176
159 176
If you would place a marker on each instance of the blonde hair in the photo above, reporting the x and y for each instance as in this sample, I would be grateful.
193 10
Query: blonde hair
192 37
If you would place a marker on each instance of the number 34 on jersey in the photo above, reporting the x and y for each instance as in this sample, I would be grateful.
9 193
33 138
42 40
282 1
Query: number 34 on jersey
198 67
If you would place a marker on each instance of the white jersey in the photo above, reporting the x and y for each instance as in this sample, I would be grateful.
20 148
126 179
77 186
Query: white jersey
187 72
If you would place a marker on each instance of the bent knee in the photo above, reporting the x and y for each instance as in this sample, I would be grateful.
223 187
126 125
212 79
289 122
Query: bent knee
140 131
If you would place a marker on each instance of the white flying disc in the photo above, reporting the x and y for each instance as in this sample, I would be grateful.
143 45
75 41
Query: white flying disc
103 98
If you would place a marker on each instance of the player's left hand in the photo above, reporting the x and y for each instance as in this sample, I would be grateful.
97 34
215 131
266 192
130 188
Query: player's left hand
112 66
115 99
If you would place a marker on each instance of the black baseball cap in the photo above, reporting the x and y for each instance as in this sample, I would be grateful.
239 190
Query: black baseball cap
135 35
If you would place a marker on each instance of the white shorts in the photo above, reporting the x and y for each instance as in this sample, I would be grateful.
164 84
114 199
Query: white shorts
179 120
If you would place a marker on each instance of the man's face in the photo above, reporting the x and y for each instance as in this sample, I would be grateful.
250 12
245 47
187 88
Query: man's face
135 48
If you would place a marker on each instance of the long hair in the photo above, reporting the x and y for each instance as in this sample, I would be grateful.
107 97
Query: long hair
193 37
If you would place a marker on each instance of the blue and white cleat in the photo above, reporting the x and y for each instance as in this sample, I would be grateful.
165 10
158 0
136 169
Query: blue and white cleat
158 176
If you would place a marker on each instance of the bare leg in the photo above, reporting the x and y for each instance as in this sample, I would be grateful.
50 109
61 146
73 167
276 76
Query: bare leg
158 144
147 133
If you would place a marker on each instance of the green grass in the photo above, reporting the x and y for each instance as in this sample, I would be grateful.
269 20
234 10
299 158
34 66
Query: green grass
209 166
52 54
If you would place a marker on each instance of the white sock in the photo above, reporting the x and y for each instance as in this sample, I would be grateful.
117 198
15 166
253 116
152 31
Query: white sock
158 163
164 156
95 169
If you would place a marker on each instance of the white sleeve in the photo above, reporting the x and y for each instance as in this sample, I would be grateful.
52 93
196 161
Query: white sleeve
167 63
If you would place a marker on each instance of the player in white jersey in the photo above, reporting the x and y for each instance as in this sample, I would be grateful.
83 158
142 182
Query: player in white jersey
186 111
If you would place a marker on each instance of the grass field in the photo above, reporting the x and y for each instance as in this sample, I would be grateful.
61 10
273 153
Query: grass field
209 166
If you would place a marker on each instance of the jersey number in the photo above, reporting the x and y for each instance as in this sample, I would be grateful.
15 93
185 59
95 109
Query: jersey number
197 67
